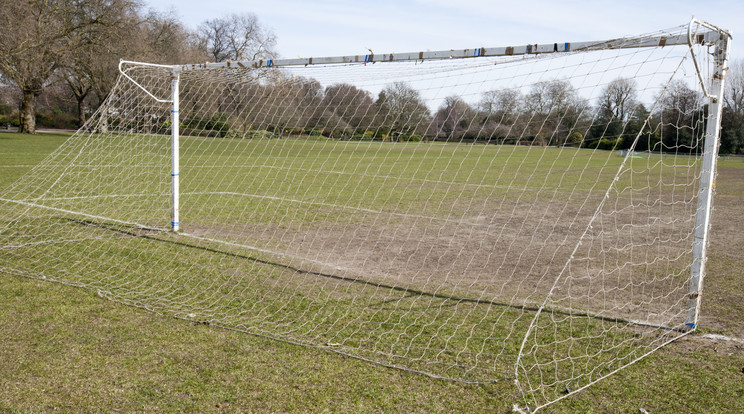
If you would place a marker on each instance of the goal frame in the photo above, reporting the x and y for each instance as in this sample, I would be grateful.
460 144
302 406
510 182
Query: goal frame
705 196
718 38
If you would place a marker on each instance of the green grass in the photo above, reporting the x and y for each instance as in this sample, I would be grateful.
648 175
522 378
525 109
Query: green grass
63 348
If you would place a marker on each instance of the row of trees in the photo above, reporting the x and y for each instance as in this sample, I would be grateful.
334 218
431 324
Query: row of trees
547 113
71 49
553 113
63 55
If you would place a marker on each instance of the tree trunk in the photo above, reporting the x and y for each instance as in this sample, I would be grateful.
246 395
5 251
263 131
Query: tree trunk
102 124
28 113
102 120
81 111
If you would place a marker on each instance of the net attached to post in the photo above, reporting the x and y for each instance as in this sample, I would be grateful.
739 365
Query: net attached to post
417 214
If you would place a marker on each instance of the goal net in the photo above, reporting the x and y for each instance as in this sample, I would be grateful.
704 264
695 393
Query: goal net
531 214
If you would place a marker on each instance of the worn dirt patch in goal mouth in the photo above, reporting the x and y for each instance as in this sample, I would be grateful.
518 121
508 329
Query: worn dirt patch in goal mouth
504 251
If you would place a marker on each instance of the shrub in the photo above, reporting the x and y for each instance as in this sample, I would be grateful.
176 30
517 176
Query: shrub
217 125
56 119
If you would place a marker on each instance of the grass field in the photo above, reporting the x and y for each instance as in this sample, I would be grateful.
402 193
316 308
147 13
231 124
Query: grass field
67 348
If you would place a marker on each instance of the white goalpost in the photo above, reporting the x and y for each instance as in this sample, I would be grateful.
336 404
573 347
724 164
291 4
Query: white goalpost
175 193
533 215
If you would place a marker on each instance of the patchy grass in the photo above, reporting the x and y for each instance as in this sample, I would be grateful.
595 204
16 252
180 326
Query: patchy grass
67 349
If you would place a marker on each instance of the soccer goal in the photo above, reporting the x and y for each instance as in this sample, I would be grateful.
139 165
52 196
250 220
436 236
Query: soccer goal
531 214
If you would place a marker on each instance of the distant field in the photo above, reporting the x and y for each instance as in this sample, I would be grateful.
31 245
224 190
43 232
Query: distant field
66 348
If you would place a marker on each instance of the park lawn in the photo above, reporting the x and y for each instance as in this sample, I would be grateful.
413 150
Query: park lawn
64 348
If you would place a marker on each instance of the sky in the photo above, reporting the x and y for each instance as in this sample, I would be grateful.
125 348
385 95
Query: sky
314 28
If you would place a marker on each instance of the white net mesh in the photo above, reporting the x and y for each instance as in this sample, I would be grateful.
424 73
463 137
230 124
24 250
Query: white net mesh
415 214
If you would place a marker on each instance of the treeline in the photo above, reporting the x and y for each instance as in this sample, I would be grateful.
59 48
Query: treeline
550 113
58 58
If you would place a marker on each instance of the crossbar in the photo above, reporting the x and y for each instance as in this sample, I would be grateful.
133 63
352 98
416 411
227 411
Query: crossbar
531 49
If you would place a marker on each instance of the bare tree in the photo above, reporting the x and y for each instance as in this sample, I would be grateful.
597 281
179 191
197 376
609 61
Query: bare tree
80 84
402 111
734 96
33 40
293 103
352 105
554 109
91 66
237 37
679 99
551 97
732 121
501 105
91 70
499 111
453 119
618 100
680 117
164 39
39 37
